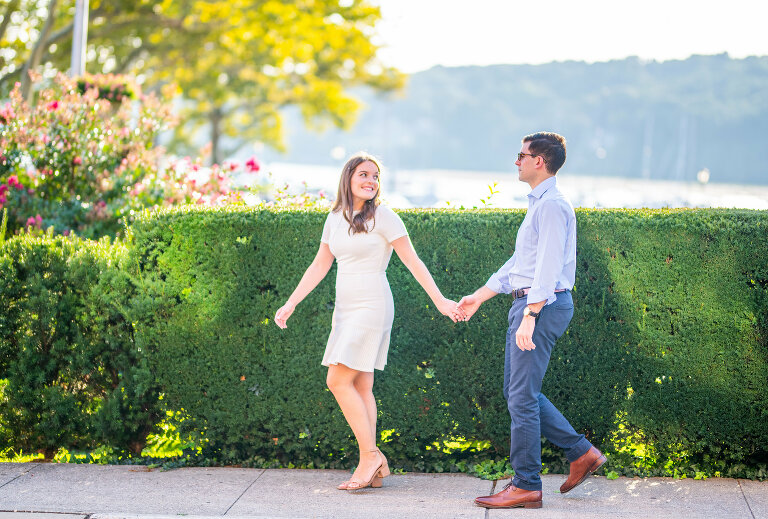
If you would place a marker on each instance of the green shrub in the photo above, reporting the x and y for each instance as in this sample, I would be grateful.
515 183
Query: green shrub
663 366
73 376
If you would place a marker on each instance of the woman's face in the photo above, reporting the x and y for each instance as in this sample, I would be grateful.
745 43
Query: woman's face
364 183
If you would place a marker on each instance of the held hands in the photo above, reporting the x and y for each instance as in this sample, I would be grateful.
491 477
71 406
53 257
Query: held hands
451 310
283 313
468 306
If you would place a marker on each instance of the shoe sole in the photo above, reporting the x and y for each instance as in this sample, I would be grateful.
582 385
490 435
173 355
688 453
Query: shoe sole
532 504
595 466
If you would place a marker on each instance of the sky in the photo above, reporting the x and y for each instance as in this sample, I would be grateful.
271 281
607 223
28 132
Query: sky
419 34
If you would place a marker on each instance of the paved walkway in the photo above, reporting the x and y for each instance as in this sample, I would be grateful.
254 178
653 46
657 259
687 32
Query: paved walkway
64 491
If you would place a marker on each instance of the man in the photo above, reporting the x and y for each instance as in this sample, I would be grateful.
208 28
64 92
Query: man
540 275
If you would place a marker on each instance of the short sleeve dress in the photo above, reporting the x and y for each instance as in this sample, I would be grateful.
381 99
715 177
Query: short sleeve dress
364 310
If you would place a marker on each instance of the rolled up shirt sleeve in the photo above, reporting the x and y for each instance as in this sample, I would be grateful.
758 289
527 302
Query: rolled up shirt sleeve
552 220
499 280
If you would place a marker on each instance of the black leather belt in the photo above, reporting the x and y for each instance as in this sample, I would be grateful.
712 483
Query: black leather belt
522 292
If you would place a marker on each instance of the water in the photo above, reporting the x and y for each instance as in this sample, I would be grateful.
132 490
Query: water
443 188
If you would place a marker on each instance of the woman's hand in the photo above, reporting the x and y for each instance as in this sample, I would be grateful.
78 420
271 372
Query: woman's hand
451 310
282 315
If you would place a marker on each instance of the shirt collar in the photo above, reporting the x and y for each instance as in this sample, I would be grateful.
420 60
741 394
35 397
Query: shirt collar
542 188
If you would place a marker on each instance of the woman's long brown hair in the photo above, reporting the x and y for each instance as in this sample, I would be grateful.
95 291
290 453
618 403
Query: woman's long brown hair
345 200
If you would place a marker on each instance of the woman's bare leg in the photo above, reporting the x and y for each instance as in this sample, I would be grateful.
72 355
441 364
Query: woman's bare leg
364 386
355 407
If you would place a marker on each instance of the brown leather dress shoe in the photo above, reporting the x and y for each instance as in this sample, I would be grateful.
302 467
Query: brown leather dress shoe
511 497
588 463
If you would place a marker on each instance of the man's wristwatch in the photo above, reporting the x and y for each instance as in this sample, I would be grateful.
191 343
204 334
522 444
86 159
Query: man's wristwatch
530 312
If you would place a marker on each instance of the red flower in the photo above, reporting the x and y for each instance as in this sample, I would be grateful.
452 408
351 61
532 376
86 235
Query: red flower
253 165
53 105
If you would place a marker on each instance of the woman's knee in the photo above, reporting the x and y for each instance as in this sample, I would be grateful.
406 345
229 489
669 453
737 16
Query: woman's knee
364 383
338 379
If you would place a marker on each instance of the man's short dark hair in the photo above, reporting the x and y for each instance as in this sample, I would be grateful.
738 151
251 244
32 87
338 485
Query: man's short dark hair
550 146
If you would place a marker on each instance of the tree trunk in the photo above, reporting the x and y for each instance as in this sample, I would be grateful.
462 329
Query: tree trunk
10 8
37 52
216 117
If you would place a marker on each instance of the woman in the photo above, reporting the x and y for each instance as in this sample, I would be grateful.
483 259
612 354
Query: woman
360 235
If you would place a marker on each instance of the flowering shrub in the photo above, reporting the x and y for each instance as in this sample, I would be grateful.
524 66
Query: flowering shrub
83 158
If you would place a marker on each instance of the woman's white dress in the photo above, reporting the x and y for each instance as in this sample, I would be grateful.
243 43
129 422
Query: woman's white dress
362 317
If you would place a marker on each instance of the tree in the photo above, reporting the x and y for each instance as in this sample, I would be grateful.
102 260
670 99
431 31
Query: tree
237 63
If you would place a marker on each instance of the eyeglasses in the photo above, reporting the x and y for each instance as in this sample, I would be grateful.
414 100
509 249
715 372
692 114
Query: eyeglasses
521 155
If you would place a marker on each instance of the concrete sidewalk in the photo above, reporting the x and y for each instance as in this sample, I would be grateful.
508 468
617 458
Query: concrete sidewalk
64 491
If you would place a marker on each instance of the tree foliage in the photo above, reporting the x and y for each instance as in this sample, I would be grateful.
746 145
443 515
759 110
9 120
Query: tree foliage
236 62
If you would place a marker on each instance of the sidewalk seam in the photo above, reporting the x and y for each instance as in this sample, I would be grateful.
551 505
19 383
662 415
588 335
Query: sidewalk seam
493 490
244 491
17 477
745 499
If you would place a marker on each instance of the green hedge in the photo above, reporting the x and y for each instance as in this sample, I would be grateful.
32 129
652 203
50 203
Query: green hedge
72 376
664 365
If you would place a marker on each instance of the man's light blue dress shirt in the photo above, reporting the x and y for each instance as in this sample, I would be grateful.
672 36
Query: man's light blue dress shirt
545 248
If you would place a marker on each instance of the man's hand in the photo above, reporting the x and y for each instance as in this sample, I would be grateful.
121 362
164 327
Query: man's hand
469 305
524 335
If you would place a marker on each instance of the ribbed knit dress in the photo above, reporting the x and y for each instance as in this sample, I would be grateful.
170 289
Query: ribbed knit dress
364 311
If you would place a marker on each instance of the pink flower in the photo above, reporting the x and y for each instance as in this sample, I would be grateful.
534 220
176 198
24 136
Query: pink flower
30 221
3 199
65 232
38 220
253 165
3 189
53 105
233 166
13 181
77 161
7 113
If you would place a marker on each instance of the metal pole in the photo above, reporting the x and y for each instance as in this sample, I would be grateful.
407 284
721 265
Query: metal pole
79 38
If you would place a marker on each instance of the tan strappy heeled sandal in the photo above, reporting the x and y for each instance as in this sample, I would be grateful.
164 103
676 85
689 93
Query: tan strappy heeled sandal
381 471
